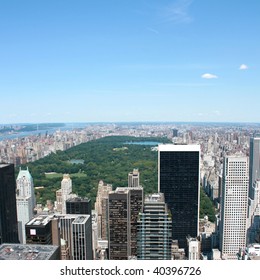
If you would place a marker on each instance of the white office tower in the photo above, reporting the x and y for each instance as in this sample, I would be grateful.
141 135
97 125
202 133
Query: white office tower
25 201
133 179
66 190
234 206
64 193
194 248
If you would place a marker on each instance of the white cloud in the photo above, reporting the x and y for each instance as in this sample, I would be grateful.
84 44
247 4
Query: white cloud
209 76
243 67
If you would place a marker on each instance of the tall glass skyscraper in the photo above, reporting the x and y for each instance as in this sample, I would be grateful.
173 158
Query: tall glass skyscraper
8 213
179 181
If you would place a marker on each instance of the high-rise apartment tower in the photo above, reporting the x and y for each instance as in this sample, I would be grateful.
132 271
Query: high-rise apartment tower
154 229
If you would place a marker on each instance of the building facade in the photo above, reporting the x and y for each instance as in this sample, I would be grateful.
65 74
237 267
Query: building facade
254 163
101 208
154 230
179 181
64 193
39 230
234 206
119 221
125 204
78 205
25 201
136 207
133 178
81 238
8 211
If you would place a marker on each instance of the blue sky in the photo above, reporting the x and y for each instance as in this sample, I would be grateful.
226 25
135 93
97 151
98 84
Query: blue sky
129 60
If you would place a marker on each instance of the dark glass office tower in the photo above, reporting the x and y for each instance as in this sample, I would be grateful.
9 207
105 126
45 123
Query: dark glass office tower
8 214
179 180
78 205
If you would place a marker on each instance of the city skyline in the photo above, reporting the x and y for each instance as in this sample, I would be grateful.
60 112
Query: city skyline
178 60
224 227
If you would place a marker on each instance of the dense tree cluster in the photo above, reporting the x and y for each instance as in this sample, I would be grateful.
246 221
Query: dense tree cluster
109 159
206 206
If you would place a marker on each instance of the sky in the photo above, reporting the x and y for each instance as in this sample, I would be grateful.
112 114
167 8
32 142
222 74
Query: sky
129 61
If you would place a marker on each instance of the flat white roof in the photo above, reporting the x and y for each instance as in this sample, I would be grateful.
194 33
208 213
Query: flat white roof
178 148
3 165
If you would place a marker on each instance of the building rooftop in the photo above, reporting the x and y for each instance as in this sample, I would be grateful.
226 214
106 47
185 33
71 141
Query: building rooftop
24 173
3 165
78 199
26 252
39 220
178 148
81 219
156 197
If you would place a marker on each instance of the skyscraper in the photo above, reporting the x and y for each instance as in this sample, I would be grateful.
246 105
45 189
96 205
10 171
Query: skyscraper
39 230
64 193
76 231
119 221
81 206
78 205
8 213
179 181
136 207
154 230
25 201
71 232
81 238
133 178
101 207
175 132
254 214
234 206
254 163
66 189
125 204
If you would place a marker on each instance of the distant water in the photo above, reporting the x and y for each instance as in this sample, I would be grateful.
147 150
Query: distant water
50 130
